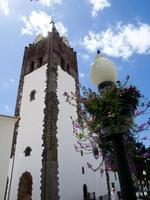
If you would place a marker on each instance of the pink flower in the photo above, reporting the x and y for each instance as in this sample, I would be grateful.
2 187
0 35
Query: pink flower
142 126
145 155
75 146
144 138
138 113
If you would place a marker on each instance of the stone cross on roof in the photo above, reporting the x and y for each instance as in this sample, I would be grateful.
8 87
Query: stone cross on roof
53 25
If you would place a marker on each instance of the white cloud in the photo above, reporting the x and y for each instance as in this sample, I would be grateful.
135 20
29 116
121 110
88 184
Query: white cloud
7 108
120 41
39 22
8 82
5 84
61 28
81 75
12 80
50 2
91 41
4 7
85 57
98 5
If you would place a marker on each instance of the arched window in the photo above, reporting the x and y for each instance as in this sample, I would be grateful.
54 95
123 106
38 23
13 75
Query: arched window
82 170
32 95
85 192
27 151
95 152
40 61
32 66
25 187
62 63
68 68
113 185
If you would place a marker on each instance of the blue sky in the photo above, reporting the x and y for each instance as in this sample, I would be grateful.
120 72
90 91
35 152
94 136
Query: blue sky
120 28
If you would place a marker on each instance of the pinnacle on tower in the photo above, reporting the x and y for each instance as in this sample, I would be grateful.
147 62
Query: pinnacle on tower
53 25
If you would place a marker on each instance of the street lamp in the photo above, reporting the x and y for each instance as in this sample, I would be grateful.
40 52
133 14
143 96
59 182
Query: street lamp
103 74
103 71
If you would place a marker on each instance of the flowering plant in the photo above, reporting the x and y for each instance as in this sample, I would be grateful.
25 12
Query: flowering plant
115 107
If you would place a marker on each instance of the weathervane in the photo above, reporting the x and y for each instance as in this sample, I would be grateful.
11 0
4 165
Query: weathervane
53 24
52 21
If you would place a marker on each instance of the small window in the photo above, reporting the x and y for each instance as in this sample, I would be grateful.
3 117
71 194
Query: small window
113 185
85 191
40 61
27 151
62 63
68 68
32 95
32 66
81 153
95 152
82 170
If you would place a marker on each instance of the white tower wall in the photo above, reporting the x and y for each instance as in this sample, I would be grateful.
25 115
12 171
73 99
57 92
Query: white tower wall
71 179
30 132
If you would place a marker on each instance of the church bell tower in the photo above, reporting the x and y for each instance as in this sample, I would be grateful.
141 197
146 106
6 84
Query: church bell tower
35 144
44 164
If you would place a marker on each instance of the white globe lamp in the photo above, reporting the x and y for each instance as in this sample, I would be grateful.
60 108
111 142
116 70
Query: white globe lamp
103 71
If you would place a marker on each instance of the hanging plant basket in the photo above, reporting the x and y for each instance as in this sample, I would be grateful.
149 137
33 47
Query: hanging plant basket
120 121
112 111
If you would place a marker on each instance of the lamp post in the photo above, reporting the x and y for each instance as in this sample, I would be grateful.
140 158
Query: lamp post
104 74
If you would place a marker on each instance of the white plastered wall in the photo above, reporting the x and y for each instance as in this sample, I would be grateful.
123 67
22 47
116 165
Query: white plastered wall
71 179
30 132
6 135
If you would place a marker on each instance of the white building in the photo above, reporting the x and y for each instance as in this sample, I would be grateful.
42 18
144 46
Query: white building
46 165
7 124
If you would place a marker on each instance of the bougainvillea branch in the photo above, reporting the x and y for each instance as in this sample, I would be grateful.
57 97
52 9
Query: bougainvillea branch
97 112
